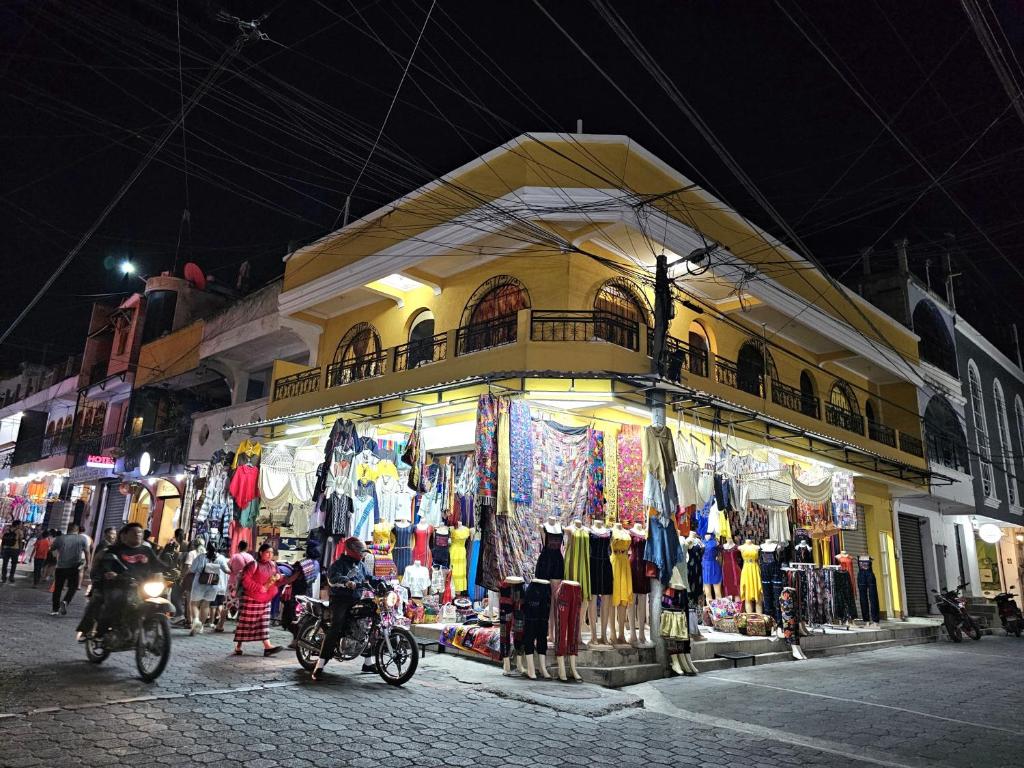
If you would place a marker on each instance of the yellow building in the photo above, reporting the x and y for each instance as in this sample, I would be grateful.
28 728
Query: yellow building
529 271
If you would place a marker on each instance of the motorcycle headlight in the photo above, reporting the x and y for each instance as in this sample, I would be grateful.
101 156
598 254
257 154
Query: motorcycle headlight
391 601
153 588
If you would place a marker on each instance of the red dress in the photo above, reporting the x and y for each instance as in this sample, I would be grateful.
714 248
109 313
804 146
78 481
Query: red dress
421 548
731 566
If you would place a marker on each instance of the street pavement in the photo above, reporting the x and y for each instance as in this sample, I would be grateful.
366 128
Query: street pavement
931 705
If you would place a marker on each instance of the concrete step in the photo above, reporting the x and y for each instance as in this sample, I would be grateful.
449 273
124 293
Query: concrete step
712 664
873 645
617 677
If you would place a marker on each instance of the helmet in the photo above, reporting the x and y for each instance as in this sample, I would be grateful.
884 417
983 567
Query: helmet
355 548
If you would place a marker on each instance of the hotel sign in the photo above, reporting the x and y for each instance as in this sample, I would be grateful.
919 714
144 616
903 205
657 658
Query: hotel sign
100 462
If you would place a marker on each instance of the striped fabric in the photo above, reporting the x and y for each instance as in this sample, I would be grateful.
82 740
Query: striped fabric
253 622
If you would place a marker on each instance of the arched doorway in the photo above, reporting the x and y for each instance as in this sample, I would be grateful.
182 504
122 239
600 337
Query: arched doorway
944 436
936 345
753 363
490 318
619 309
843 409
358 356
700 349
809 405
421 341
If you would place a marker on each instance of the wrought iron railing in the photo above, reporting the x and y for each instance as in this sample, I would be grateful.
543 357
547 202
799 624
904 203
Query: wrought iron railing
422 352
910 444
681 358
584 325
297 384
493 333
357 369
844 419
880 433
945 451
795 400
110 440
728 373
56 444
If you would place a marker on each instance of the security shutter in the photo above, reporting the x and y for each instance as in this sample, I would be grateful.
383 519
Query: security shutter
856 542
913 565
113 512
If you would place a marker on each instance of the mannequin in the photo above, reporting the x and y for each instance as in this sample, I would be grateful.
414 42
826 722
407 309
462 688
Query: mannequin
567 628
732 564
417 580
551 563
711 568
675 624
421 551
867 586
459 557
751 590
403 541
600 581
641 586
536 609
439 547
511 617
577 566
622 580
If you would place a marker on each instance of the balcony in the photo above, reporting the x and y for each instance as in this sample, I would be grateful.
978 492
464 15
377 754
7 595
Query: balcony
297 384
494 333
585 325
844 419
56 444
727 373
945 451
910 444
419 353
357 369
793 399
881 433
109 441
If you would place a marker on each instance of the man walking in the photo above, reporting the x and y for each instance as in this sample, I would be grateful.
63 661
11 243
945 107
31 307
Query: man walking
11 544
39 555
72 551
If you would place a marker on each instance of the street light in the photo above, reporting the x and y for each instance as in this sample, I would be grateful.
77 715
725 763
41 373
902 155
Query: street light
127 267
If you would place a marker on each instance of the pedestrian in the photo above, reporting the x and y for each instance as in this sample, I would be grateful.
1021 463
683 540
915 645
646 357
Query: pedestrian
173 548
51 559
72 551
259 586
11 544
237 564
211 570
184 584
40 552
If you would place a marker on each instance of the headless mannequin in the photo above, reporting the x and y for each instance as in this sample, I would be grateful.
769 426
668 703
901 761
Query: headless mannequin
552 525
587 612
621 611
506 663
715 588
727 551
572 659
638 611
606 612
535 661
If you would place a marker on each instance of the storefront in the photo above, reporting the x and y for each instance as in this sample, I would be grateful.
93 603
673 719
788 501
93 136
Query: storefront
1000 556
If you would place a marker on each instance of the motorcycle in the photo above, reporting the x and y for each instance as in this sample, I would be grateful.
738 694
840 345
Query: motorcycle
145 628
372 623
957 620
1009 613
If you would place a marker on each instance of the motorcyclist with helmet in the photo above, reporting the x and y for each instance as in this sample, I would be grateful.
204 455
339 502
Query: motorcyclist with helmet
129 559
344 577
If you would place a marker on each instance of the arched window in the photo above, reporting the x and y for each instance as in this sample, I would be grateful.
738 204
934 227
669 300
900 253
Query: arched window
490 318
421 340
1018 410
1005 443
936 345
842 409
358 356
944 435
808 396
752 364
980 429
700 349
620 307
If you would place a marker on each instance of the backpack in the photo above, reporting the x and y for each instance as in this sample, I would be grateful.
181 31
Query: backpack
10 539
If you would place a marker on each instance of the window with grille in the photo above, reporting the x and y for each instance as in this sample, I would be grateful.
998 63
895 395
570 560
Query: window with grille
981 430
842 396
1005 443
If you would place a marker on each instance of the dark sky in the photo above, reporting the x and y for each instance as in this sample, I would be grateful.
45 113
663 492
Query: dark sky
274 147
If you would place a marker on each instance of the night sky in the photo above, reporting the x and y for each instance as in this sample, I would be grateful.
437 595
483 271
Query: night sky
276 144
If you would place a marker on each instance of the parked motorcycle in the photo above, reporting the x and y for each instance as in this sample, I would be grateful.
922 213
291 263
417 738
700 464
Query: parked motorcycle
958 622
145 629
372 623
1009 613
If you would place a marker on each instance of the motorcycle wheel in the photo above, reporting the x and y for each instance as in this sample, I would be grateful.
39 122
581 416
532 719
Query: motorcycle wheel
396 667
153 648
1017 629
308 633
954 633
95 652
974 631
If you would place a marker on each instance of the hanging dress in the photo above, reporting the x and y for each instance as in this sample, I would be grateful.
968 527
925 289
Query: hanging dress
458 558
421 550
637 564
577 560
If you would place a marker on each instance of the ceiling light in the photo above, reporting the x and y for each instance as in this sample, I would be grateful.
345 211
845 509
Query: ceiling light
990 533
401 283
297 429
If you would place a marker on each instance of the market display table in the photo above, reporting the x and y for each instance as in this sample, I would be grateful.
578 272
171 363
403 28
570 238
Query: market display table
736 658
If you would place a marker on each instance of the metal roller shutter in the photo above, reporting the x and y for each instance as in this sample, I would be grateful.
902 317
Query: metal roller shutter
913 565
856 542
114 511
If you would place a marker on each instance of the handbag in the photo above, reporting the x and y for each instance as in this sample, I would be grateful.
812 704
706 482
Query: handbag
755 624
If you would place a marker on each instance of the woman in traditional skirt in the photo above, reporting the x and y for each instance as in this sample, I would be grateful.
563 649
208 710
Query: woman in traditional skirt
259 586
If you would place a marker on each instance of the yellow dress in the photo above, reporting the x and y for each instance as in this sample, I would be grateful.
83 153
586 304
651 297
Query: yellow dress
622 574
723 525
457 555
750 576
384 537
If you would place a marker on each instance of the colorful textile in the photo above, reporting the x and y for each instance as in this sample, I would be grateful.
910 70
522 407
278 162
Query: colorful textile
487 450
253 621
518 545
844 503
560 471
504 500
611 477
521 450
630 479
595 475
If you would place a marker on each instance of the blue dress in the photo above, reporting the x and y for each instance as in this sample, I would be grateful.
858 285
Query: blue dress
403 548
712 566
662 548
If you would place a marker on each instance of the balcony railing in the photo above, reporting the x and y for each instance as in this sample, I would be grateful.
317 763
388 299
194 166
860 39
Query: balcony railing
494 333
297 384
56 444
359 368
110 440
844 419
681 358
881 433
422 352
728 373
795 400
945 451
584 325
910 444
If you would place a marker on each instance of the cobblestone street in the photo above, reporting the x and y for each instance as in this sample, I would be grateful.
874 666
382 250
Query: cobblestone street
931 705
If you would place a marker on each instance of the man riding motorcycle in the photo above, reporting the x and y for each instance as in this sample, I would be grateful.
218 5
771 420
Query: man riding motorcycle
130 559
344 576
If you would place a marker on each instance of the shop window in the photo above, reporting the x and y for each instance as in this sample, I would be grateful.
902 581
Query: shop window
808 395
981 430
491 316
1007 454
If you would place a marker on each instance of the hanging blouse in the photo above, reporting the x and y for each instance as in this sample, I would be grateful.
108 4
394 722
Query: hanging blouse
275 477
303 478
